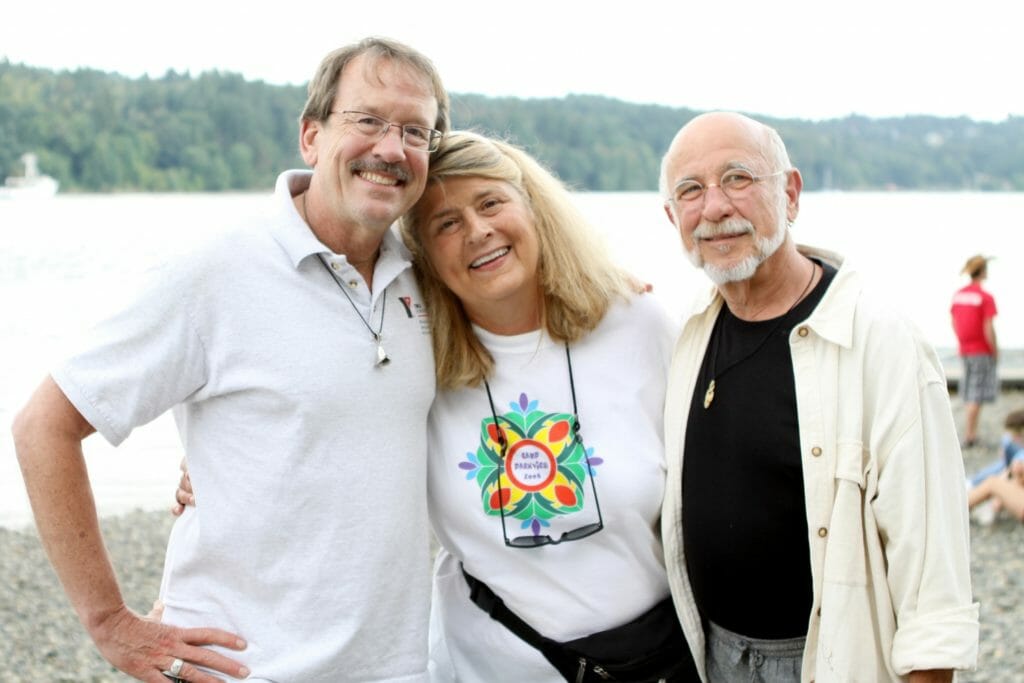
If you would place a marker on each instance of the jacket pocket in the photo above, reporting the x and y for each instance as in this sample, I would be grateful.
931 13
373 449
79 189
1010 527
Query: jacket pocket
849 647
846 559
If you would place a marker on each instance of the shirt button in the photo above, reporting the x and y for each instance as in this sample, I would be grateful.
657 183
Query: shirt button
334 265
816 451
803 331
353 284
822 532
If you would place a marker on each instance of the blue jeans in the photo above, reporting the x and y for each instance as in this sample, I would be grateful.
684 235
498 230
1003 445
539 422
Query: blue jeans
1010 450
732 658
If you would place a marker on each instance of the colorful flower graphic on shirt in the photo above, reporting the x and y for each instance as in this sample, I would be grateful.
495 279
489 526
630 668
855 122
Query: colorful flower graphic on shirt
545 469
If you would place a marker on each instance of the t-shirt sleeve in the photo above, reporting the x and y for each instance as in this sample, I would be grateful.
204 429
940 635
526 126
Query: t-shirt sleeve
988 307
139 362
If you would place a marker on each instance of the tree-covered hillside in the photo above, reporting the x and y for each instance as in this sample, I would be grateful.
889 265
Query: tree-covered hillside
96 131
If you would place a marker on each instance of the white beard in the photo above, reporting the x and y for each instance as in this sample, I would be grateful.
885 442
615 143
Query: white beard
764 247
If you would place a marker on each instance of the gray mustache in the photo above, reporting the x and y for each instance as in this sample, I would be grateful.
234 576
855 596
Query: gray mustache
384 167
729 226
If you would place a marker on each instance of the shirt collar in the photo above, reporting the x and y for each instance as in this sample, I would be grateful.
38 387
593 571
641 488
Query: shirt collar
832 318
295 237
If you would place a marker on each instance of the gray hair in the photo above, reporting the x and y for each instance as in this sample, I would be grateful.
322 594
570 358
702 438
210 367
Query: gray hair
323 87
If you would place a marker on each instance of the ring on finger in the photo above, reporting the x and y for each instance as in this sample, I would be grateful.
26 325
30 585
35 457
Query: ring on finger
176 667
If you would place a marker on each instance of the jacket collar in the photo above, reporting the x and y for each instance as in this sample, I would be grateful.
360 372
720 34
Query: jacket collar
832 318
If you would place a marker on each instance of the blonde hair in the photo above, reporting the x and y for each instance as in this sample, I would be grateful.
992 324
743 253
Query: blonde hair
323 88
578 279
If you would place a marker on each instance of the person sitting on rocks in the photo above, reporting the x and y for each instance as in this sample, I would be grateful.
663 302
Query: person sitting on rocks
1002 482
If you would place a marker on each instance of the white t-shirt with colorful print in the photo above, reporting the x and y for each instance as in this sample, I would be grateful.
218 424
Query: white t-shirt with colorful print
574 588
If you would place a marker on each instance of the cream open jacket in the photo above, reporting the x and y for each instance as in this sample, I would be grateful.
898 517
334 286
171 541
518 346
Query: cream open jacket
883 481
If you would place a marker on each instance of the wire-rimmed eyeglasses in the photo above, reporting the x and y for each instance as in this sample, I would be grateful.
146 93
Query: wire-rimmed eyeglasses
734 183
419 138
537 540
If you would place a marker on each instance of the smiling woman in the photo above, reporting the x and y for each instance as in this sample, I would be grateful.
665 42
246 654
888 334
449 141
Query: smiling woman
480 238
523 300
576 281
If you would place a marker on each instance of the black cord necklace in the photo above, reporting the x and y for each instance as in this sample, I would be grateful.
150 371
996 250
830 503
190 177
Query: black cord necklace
382 356
709 395
539 540
575 412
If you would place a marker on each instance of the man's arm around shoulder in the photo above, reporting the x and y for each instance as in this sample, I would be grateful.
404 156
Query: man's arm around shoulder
48 435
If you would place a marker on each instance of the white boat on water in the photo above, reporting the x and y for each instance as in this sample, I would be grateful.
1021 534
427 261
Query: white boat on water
31 185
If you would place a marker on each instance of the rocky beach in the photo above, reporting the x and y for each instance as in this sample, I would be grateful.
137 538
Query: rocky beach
41 640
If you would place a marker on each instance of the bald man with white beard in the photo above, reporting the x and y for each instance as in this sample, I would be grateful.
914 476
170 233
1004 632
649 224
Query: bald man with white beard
815 520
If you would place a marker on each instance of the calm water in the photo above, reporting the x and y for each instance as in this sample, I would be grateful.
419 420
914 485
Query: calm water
65 261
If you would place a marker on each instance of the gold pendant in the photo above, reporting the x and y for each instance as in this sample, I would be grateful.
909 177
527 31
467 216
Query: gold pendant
709 395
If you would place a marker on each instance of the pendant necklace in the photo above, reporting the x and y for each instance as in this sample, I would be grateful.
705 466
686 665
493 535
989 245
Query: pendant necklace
382 356
709 395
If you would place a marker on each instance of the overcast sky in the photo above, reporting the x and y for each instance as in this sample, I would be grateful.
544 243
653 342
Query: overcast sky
783 58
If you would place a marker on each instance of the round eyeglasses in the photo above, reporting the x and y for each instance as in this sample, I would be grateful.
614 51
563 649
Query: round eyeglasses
419 138
734 183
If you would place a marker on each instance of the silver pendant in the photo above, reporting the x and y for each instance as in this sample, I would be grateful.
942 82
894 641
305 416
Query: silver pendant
382 356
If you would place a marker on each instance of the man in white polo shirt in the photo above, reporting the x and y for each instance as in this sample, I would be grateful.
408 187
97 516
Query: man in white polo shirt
299 369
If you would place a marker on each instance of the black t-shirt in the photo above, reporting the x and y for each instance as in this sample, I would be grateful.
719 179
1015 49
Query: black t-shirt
744 519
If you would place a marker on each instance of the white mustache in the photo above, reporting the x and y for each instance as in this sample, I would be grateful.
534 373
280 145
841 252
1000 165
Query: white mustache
729 227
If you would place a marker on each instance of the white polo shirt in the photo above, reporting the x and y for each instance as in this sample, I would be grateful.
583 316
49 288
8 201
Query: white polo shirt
310 535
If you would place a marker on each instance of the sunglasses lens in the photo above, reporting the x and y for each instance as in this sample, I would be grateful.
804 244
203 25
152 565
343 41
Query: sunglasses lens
535 541
582 532
529 541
